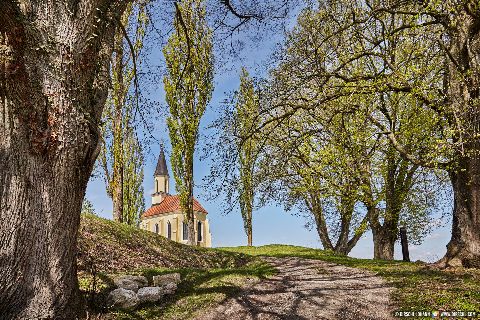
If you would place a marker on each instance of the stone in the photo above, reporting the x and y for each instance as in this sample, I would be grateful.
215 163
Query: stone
150 294
166 278
131 282
123 299
169 288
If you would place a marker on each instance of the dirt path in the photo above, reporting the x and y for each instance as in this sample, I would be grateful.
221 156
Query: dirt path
309 289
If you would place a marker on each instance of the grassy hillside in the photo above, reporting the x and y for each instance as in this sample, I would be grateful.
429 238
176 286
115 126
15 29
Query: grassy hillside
113 247
209 276
418 287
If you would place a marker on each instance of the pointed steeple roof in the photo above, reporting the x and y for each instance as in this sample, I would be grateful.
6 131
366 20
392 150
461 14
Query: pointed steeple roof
161 169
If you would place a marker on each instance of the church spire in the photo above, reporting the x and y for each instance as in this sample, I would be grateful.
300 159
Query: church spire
161 169
161 179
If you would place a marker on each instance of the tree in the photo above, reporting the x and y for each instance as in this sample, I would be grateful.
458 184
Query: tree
121 157
312 180
438 70
235 152
53 83
246 115
188 89
326 118
424 53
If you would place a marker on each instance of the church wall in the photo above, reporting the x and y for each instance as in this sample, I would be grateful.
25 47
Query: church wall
176 220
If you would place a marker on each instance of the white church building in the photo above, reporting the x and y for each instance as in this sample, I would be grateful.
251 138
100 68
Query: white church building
165 216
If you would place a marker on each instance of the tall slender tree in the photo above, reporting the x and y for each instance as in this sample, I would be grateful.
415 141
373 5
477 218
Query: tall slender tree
121 155
188 89
246 116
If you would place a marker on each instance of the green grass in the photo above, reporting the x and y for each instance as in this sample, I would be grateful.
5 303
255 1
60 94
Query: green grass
210 275
199 289
107 249
417 287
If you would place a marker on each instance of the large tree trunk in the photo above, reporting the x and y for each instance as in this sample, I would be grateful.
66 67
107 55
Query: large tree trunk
53 81
464 246
463 94
383 244
385 235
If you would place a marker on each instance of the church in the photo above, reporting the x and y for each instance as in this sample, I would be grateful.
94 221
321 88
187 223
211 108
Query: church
165 216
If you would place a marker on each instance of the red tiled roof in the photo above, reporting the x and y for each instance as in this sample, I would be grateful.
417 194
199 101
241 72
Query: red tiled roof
171 204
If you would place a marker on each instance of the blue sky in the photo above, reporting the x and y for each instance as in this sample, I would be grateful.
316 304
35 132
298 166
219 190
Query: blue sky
270 224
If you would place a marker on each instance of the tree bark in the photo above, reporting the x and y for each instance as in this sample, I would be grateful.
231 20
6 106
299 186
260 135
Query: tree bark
249 219
385 235
53 86
249 214
404 241
344 244
314 205
464 246
383 243
463 94
191 232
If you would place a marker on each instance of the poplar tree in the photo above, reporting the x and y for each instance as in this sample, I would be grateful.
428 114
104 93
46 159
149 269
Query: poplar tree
246 116
188 89
121 157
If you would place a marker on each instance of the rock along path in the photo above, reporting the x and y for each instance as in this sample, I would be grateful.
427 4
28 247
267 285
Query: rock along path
309 289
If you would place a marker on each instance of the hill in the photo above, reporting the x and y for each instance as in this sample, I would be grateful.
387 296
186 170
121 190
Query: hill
112 247
212 277
108 248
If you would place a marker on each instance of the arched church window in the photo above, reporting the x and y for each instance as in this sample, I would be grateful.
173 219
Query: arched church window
169 230
156 181
185 231
199 231
157 229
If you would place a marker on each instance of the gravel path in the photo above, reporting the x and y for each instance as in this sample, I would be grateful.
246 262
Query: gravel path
309 289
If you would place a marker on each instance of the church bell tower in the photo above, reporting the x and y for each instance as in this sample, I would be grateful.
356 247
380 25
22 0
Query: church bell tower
161 179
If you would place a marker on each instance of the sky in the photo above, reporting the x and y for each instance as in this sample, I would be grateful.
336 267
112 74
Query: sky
271 224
